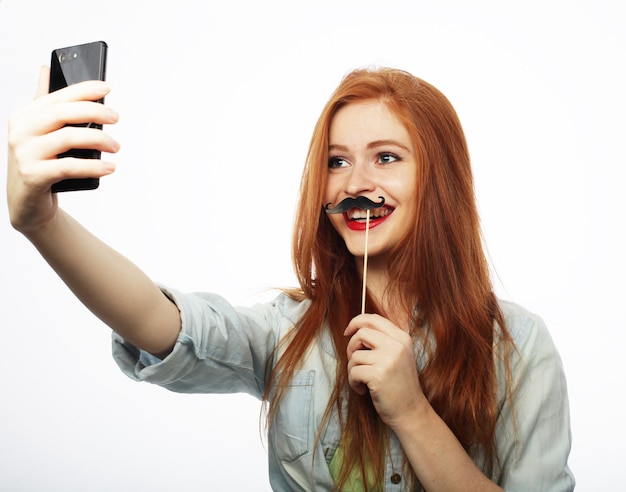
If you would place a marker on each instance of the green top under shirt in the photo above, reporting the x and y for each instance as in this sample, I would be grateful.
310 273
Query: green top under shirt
355 481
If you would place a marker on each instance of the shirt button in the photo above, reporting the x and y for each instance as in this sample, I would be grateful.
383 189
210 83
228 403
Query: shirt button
396 478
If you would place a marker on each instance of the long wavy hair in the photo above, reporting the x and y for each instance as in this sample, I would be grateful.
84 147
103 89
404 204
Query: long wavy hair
438 273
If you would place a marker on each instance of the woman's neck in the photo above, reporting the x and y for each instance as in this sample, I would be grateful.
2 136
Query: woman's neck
377 281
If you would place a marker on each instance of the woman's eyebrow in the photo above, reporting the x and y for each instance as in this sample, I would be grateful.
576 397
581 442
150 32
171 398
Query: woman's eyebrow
340 148
384 143
372 145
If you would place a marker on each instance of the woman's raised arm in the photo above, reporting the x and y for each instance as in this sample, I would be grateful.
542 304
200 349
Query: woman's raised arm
111 286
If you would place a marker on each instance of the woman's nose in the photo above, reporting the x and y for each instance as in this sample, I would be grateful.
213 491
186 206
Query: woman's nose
359 180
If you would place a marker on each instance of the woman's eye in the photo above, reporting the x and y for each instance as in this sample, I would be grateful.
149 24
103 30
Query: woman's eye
387 158
336 162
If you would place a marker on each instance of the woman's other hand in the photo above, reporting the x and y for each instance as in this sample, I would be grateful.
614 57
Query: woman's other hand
381 360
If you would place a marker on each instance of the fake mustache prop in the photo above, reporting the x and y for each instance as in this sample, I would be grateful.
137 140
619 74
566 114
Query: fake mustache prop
361 202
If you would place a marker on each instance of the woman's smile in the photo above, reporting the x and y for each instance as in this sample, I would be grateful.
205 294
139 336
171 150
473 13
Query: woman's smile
356 219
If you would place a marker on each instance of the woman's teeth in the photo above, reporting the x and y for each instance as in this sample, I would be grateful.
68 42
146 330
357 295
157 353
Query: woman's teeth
358 214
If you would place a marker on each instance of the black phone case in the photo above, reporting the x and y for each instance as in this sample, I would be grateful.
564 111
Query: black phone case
69 66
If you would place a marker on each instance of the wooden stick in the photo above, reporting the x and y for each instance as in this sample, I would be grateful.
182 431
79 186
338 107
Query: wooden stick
367 231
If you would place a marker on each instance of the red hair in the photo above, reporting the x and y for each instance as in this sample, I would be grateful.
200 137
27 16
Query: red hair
438 271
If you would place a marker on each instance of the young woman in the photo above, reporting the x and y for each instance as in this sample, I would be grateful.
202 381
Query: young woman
437 385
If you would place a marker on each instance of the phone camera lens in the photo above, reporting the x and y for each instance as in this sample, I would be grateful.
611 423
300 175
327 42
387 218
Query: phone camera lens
63 57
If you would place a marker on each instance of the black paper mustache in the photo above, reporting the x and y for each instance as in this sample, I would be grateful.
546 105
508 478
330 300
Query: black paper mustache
361 202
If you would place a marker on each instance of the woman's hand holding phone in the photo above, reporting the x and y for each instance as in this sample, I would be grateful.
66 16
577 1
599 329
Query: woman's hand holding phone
39 132
112 287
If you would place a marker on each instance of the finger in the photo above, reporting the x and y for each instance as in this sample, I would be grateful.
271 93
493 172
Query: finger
365 339
358 341
357 379
72 167
43 83
90 90
363 358
44 116
76 113
84 111
42 175
374 321
355 324
50 145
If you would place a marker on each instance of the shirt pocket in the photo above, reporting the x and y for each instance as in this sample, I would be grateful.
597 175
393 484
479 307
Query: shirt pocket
292 429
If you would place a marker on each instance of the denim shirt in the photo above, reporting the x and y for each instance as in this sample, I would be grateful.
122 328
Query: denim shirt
223 349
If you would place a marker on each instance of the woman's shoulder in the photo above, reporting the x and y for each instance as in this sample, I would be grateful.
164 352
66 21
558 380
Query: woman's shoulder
526 328
283 311
290 305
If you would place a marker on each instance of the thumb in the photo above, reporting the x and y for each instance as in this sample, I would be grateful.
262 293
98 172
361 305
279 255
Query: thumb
44 82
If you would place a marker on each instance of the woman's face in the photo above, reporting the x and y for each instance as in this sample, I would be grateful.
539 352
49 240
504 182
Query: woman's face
371 154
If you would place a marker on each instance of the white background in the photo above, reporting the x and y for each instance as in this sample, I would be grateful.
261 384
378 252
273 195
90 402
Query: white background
217 102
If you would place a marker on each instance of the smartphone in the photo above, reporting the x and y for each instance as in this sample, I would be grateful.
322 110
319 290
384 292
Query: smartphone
69 66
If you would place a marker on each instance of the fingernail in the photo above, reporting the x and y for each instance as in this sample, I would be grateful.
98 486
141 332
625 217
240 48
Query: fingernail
108 167
103 87
113 115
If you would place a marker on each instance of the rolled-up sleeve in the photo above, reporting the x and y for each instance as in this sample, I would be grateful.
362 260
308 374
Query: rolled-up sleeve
220 349
534 438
